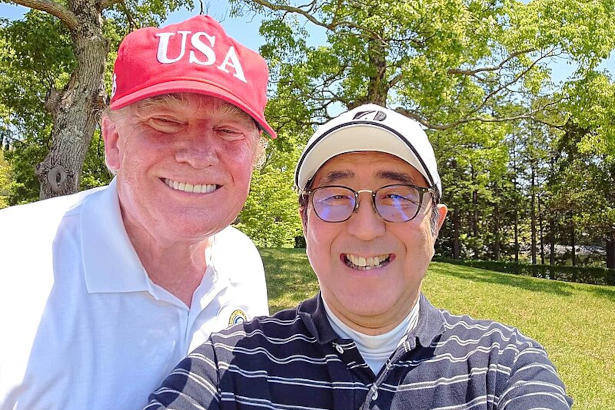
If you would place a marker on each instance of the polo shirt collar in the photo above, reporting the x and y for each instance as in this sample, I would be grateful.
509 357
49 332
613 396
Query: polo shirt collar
314 316
109 260
429 326
312 312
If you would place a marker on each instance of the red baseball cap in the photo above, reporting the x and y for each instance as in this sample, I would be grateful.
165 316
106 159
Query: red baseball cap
194 56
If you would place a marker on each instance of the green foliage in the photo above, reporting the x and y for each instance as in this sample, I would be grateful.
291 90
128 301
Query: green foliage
6 179
270 217
95 172
444 61
36 56
591 102
532 305
133 14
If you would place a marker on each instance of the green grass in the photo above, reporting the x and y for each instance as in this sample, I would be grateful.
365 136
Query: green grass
574 322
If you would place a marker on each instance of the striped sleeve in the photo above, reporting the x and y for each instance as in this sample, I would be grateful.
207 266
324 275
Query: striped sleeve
533 382
192 385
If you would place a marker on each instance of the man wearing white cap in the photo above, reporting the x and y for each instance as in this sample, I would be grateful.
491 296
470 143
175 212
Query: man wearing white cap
103 292
369 201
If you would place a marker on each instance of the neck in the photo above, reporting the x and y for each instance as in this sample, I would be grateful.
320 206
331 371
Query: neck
177 266
373 324
375 349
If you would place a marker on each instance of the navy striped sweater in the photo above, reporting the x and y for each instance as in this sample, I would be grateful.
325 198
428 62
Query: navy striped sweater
294 360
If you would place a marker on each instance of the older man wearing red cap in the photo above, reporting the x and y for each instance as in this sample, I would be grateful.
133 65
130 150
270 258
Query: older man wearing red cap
103 292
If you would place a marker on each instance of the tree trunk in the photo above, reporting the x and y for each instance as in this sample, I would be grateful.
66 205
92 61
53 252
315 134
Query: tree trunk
496 232
75 109
533 213
516 204
541 233
551 241
573 241
610 251
516 231
456 227
474 218
377 85
610 254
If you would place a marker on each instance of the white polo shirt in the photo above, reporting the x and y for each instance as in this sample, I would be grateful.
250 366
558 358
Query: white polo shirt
82 324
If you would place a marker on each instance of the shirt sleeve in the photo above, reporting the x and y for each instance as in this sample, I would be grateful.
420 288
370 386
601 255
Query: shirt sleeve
534 383
193 384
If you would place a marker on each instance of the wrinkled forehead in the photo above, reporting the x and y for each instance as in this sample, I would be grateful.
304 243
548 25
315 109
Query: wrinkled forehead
360 164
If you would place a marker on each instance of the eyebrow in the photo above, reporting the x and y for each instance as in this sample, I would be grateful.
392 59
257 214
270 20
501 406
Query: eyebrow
334 176
402 177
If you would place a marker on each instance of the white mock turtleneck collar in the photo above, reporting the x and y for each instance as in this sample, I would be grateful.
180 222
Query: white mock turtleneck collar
375 350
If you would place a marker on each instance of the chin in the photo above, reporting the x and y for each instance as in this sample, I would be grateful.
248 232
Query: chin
367 306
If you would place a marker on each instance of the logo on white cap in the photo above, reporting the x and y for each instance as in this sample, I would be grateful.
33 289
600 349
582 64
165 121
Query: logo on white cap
374 115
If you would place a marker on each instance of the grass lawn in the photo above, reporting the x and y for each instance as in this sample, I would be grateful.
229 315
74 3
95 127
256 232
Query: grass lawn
574 322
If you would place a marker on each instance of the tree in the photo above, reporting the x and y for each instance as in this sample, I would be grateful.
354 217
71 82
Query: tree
586 161
472 163
35 58
442 62
270 216
455 66
6 179
74 103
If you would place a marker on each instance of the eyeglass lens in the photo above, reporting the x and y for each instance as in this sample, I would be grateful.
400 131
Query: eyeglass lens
394 203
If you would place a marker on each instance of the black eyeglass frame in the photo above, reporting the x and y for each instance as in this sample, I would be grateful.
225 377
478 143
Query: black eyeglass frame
421 190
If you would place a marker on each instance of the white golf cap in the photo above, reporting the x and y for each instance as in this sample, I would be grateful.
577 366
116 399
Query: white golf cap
369 127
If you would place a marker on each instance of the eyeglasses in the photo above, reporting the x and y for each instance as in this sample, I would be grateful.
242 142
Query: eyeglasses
394 203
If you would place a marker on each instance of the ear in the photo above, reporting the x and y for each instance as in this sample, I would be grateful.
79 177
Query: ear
111 137
442 211
303 215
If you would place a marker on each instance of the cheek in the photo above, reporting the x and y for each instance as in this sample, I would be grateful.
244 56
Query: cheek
319 238
419 244
239 161
242 175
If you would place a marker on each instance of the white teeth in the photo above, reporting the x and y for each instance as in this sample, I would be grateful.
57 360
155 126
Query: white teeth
183 186
366 263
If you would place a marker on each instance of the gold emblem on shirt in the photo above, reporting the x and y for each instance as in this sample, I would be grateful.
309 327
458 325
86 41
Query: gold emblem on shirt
237 316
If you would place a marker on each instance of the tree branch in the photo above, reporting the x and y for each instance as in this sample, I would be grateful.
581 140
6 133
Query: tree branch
291 9
307 14
511 82
492 68
441 127
55 9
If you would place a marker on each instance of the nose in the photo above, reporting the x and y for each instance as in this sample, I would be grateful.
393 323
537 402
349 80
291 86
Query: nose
365 223
198 148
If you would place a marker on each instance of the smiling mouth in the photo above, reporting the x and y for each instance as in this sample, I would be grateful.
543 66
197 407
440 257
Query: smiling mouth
363 263
193 188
